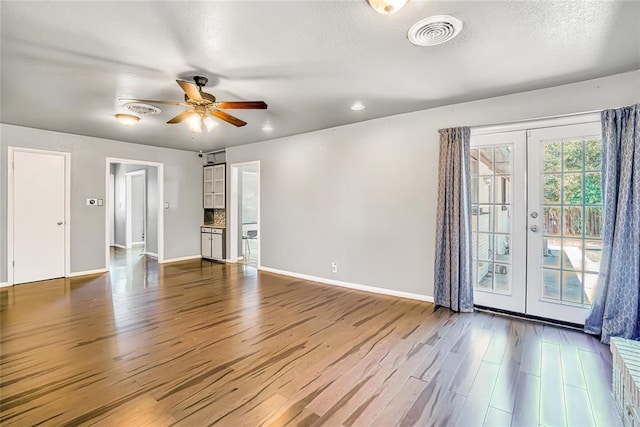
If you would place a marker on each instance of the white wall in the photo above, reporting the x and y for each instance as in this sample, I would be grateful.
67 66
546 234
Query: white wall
364 195
182 189
151 174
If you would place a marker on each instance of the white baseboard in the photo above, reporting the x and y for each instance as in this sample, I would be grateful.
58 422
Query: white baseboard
184 258
356 286
137 243
5 284
87 273
119 246
151 254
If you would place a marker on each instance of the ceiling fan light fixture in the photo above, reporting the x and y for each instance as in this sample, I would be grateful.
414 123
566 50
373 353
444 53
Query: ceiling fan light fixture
194 123
127 119
209 123
387 7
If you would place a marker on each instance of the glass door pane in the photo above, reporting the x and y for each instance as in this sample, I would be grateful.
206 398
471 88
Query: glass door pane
498 208
565 221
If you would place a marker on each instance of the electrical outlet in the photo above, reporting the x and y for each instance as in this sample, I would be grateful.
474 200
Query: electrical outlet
334 267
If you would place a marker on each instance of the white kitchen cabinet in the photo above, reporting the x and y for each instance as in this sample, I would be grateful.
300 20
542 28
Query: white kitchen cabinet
205 244
219 172
208 186
212 243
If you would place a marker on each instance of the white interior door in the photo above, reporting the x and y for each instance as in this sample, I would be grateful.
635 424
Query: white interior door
537 220
38 216
564 221
112 210
498 174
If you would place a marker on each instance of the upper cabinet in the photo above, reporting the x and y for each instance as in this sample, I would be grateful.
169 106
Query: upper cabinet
208 187
214 186
218 186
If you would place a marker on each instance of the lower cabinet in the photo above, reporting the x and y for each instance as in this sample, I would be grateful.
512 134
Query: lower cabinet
212 243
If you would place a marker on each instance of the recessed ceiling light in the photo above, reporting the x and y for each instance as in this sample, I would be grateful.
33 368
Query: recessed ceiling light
434 30
357 106
127 119
267 127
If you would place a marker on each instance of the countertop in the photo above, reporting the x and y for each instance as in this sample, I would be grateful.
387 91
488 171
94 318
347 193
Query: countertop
213 226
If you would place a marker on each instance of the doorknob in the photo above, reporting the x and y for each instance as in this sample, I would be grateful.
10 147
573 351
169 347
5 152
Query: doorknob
59 222
534 228
534 214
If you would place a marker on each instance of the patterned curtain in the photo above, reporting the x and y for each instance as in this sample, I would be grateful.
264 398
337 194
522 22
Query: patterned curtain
453 276
616 308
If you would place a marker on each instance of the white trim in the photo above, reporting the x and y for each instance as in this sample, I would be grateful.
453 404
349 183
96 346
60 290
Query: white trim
151 254
129 210
87 272
184 258
67 207
5 284
118 245
160 166
365 288
137 243
543 122
233 211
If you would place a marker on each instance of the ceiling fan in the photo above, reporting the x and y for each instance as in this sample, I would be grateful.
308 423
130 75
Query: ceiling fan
202 105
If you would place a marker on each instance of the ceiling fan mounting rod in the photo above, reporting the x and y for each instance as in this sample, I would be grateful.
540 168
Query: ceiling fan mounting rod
200 81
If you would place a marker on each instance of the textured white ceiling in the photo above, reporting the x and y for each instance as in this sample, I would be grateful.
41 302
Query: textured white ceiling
65 64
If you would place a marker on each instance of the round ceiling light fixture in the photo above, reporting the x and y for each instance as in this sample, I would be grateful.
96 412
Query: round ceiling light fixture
267 127
357 106
127 119
142 109
387 7
434 30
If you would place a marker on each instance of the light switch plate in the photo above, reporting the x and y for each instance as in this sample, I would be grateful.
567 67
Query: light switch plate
100 202
166 205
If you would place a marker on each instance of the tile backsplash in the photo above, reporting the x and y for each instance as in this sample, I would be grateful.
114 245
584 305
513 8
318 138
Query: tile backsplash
217 217
220 217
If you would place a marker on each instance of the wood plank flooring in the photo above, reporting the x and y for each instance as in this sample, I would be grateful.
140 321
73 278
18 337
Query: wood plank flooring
199 344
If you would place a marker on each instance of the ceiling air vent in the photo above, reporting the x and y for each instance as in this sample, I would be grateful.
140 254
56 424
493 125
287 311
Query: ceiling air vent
142 109
434 30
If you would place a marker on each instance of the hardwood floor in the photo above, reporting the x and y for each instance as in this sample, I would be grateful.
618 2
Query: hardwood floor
198 343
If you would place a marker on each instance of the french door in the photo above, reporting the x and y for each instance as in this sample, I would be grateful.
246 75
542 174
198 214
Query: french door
537 220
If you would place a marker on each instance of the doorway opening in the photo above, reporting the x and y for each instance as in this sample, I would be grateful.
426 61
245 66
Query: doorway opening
245 213
134 218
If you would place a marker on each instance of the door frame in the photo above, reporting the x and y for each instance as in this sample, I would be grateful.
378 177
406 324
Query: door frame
10 201
129 211
108 201
529 125
515 300
234 170
536 305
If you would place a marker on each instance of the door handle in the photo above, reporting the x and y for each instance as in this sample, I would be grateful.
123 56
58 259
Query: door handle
534 228
59 222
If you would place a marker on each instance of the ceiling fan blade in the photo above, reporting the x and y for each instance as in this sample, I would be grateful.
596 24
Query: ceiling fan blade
242 105
149 101
190 89
227 118
180 117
